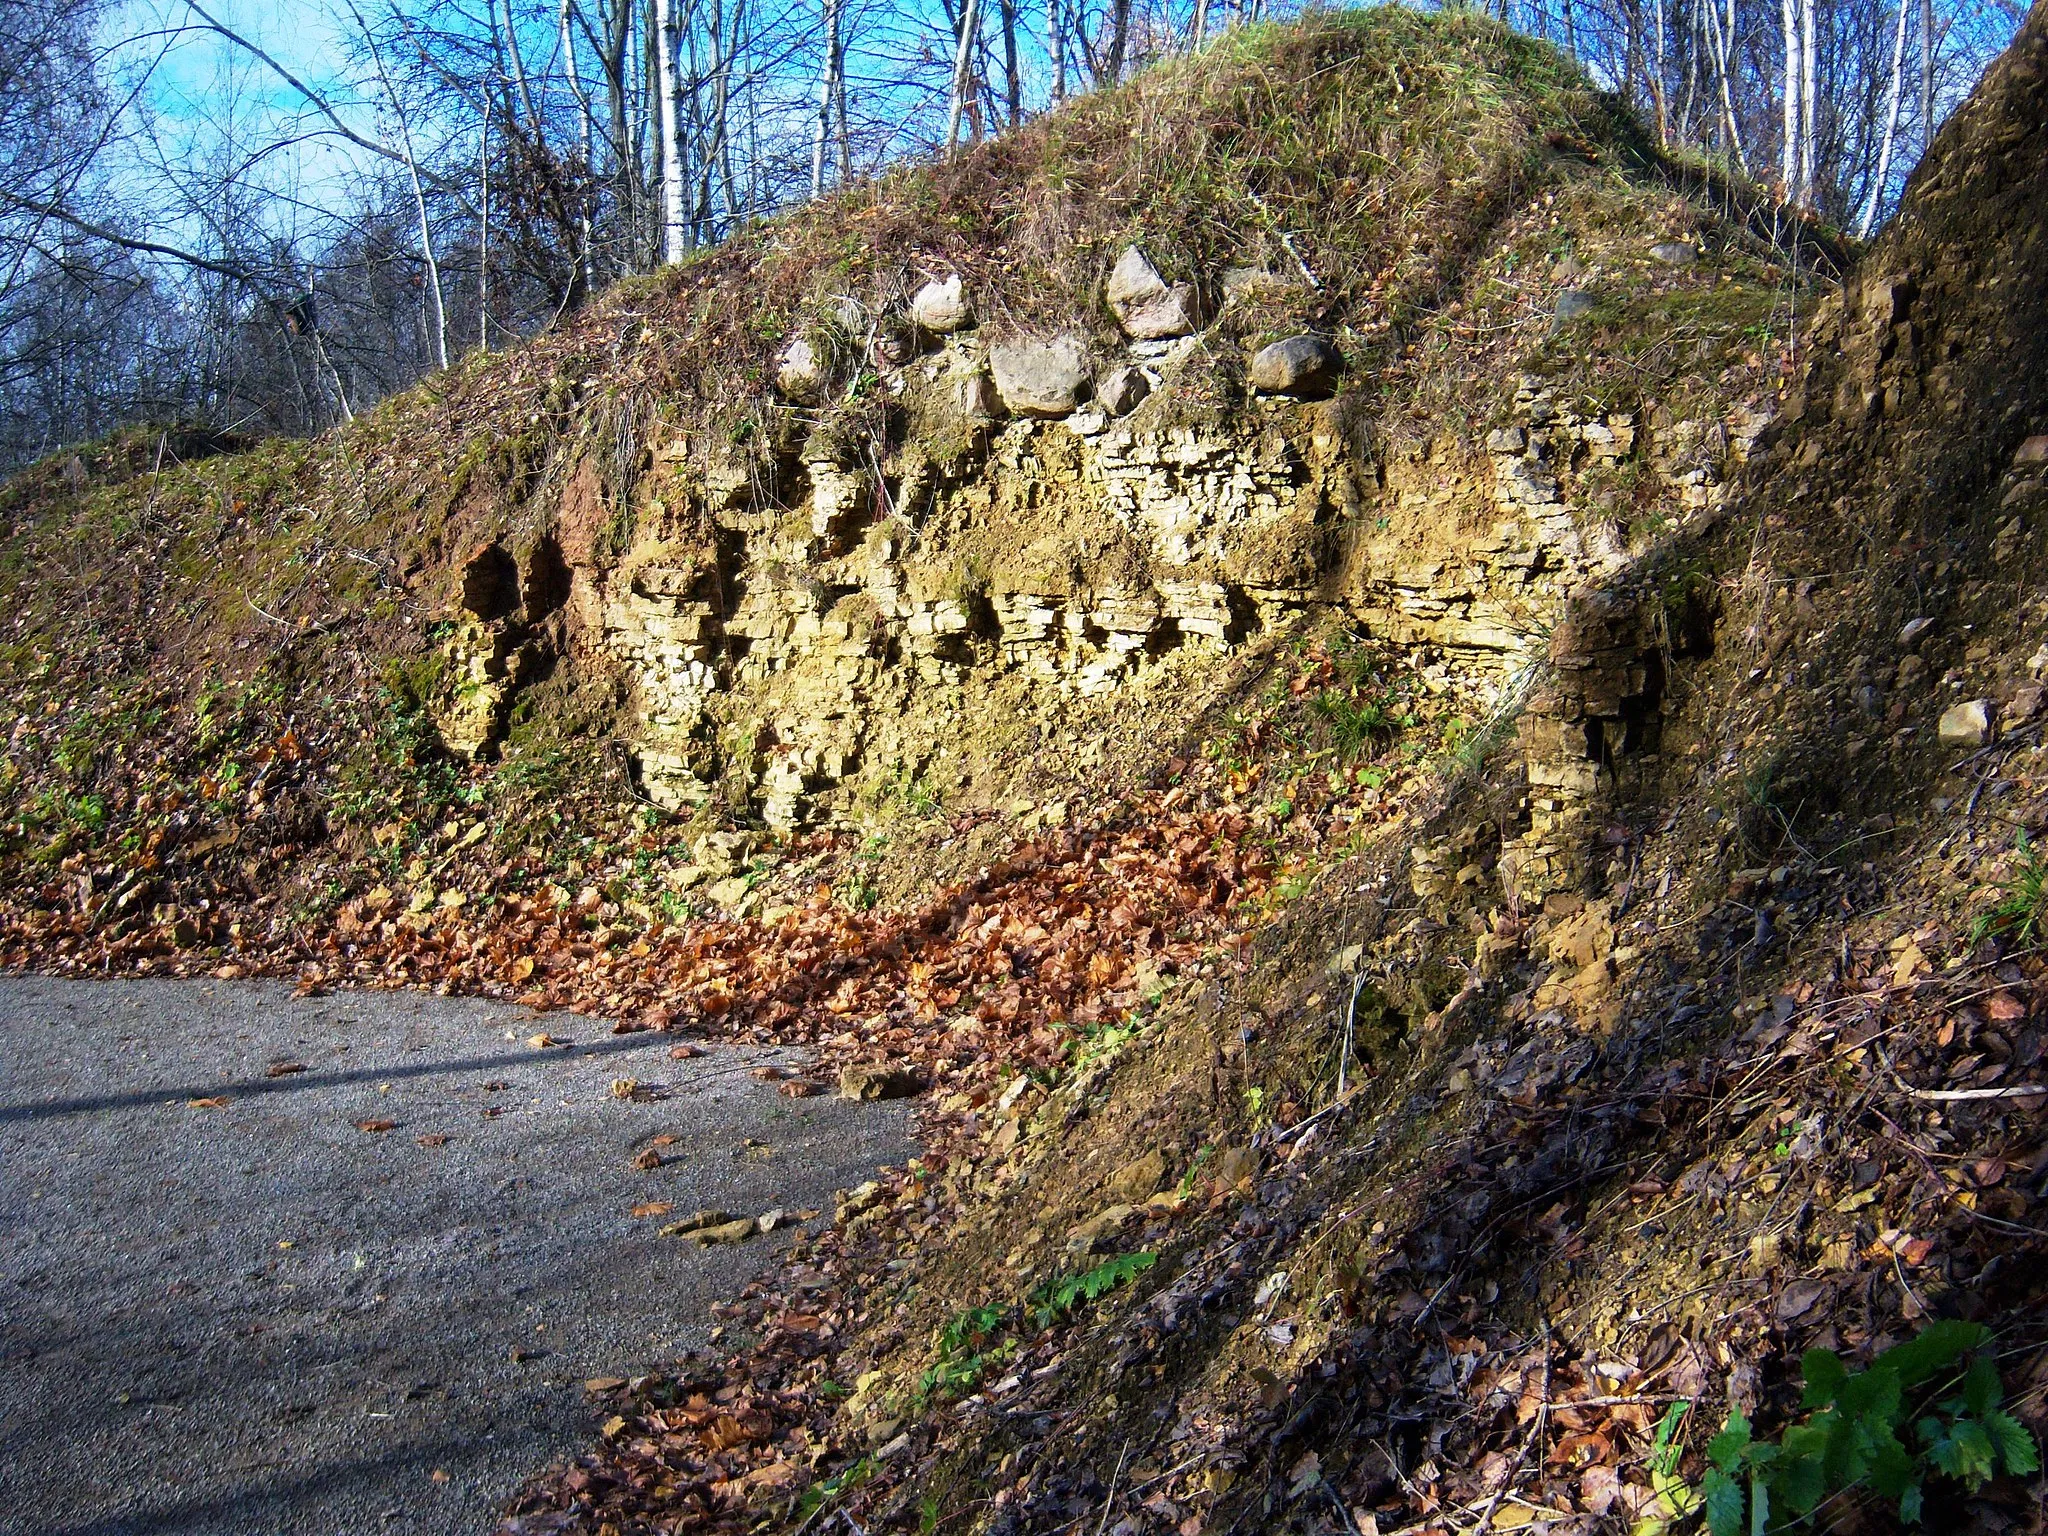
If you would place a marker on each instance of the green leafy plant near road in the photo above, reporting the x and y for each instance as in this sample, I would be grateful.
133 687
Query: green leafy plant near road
967 1346
972 1341
1851 1438
1053 1300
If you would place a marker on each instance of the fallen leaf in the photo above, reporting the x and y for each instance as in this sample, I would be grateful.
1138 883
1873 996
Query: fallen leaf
214 1103
284 1068
625 1087
648 1160
438 1475
375 1127
433 1141
542 1041
797 1088
654 1207
519 969
683 1052
666 1140
604 1383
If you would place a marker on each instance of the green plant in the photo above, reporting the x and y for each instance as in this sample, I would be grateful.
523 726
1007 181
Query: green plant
818 1495
2022 907
1850 1438
1099 1042
1055 1299
967 1346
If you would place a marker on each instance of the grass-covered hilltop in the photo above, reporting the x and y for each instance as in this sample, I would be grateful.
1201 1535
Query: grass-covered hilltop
1417 724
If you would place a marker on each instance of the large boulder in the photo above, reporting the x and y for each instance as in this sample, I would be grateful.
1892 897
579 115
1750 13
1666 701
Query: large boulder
1306 367
1041 378
1145 306
942 307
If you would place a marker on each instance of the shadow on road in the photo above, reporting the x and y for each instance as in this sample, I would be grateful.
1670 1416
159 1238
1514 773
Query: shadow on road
299 1081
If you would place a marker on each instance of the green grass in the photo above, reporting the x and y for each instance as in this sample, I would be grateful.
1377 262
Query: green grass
2021 912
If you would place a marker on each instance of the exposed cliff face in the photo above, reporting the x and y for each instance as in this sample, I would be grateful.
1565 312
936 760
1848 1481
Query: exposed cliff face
807 641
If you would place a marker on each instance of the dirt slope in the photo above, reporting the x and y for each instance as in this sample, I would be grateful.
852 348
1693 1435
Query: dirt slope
1768 1080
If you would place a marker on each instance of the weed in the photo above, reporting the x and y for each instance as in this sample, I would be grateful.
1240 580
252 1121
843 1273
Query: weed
1099 1042
818 1495
2021 912
967 1346
76 755
1355 724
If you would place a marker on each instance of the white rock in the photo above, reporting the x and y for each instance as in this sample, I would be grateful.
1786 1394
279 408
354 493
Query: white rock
1967 724
1041 378
942 307
1145 306
800 372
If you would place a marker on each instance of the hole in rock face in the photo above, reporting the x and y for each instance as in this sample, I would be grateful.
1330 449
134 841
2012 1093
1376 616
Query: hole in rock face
490 583
547 580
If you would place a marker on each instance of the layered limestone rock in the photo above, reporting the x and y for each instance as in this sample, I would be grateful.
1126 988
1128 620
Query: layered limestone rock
801 630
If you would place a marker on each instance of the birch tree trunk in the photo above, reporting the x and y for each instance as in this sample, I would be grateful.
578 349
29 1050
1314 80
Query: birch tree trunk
963 71
1926 75
827 95
1731 130
519 73
483 231
1056 45
1807 117
1120 37
668 88
1788 151
585 259
419 196
1891 126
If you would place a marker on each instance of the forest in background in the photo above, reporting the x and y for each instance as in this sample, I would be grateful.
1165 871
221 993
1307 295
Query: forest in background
198 225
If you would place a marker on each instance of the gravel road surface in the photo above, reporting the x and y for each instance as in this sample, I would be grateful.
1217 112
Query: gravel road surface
252 1316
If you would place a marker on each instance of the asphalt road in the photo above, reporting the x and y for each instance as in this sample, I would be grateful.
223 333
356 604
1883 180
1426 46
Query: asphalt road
255 1317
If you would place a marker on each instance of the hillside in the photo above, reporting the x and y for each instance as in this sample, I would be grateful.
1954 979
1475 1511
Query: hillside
1429 777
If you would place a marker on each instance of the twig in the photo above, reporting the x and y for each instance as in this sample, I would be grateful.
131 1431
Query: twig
261 613
1286 241
1350 1019
1109 1500
1956 1095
